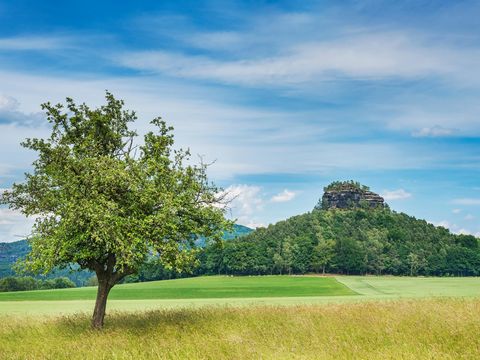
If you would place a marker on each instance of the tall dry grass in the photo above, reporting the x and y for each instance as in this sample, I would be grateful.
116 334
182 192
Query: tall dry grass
411 329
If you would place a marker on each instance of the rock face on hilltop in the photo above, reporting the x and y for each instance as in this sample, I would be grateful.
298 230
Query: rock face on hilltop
348 195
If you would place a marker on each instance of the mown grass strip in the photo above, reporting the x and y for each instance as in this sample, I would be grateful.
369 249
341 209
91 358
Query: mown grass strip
208 287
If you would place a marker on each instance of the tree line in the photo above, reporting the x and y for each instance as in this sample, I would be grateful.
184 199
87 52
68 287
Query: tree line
24 283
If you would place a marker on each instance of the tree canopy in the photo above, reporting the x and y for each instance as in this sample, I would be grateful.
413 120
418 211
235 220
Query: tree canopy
105 201
345 185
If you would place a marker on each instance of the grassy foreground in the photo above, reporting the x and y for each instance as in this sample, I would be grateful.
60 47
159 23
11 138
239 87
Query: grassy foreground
401 329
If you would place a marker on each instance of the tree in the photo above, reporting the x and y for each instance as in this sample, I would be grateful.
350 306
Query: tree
105 203
373 249
63 283
12 283
416 261
278 262
287 255
323 254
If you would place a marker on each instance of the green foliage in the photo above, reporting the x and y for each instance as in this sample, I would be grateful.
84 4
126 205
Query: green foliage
92 281
345 185
12 283
357 241
103 202
322 255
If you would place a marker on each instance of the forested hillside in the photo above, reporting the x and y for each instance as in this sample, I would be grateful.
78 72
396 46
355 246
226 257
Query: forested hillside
352 241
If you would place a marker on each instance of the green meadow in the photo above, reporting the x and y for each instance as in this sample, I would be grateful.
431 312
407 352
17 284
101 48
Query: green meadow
237 291
207 287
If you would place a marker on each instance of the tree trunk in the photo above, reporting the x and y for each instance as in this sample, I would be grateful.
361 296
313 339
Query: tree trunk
101 303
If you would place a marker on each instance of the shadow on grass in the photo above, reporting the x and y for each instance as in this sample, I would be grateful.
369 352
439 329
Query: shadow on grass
141 321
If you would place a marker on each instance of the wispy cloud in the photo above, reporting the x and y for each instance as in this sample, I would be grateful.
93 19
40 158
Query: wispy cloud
284 196
48 42
243 139
467 201
399 194
434 131
370 56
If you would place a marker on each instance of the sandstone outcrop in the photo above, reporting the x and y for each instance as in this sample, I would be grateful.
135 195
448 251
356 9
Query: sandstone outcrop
350 195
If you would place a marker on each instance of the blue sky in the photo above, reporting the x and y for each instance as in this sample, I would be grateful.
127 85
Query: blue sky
286 96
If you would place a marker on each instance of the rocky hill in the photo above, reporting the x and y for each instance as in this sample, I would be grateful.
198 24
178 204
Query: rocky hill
348 195
364 237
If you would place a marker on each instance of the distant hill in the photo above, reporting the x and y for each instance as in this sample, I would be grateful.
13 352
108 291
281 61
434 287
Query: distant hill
11 252
238 230
346 234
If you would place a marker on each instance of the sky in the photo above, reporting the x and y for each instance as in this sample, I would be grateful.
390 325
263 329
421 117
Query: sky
283 96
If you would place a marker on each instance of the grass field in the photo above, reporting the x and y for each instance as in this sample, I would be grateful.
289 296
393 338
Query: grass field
349 317
237 291
401 329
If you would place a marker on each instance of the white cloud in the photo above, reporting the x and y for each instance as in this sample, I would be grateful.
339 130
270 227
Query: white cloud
8 103
284 196
467 201
434 131
456 211
398 194
245 201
